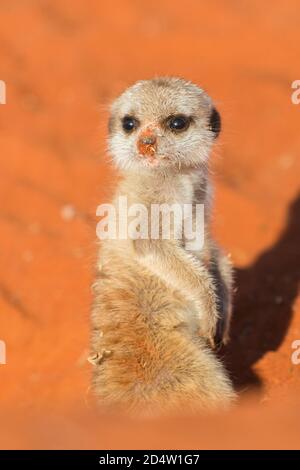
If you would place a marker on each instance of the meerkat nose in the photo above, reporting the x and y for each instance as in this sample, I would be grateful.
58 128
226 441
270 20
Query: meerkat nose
147 143
148 139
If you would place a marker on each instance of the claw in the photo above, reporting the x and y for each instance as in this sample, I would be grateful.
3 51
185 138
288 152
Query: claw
98 357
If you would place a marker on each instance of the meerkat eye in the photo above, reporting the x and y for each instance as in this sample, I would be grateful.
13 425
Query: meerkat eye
178 123
129 123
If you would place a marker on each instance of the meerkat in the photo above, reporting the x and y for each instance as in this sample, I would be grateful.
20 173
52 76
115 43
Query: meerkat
160 309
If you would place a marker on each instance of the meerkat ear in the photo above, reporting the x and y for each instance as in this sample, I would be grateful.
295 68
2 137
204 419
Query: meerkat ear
215 122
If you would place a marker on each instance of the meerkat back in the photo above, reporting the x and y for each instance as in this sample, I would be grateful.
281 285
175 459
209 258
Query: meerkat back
159 304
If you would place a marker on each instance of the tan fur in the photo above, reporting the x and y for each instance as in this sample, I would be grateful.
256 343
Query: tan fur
158 307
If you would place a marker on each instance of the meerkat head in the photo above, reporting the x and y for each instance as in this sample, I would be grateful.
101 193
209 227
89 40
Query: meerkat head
162 123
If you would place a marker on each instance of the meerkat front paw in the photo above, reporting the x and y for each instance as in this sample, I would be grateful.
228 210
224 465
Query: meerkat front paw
215 329
209 322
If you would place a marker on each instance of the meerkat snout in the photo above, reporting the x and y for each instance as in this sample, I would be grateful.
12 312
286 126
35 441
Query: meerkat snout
147 143
148 139
170 121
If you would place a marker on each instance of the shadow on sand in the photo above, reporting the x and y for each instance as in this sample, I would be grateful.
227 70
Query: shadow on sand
263 304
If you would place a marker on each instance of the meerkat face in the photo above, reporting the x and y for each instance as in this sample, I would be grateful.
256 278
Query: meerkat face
162 123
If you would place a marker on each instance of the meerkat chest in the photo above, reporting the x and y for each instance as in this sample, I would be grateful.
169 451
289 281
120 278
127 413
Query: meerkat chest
167 207
182 191
194 199
180 204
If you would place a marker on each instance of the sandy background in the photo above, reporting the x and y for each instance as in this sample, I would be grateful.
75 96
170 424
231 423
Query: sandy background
63 61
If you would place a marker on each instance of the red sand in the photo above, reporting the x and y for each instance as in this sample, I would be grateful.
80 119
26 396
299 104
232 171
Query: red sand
62 63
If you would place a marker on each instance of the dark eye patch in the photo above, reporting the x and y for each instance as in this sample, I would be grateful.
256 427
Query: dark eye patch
178 123
129 124
215 122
